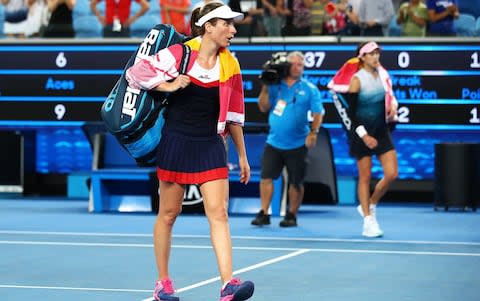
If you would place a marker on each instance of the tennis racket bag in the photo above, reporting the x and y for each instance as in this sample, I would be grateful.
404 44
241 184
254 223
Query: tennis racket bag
135 116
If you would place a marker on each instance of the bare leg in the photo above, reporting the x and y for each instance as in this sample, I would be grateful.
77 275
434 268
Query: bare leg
215 200
295 197
363 190
266 193
390 172
171 198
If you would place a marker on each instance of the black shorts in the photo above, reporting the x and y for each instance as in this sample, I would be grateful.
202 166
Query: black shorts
358 149
275 159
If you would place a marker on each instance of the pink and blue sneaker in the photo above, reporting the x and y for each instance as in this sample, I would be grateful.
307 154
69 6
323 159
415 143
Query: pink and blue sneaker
235 290
164 291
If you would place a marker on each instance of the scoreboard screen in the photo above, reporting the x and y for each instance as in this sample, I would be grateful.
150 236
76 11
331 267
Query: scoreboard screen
435 83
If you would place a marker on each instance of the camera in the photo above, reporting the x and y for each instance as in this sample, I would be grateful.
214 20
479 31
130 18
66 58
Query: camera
275 69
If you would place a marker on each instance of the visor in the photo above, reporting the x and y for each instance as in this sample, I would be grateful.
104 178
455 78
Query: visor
367 48
221 12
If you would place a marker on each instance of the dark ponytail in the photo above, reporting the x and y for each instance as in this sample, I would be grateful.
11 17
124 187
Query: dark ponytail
194 29
199 12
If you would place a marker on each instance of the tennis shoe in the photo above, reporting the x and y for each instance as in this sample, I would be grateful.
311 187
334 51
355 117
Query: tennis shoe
236 290
373 211
164 291
371 227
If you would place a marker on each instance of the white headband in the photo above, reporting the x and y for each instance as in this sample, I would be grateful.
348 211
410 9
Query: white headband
222 12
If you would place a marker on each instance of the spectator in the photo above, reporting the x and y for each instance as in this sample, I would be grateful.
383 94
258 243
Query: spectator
37 19
441 15
252 24
413 16
16 14
336 20
298 17
174 12
60 23
272 17
375 16
350 8
318 16
287 104
117 20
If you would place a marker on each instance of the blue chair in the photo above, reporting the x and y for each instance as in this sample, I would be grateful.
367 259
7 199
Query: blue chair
471 7
87 27
2 19
394 30
81 8
465 25
154 8
477 27
143 24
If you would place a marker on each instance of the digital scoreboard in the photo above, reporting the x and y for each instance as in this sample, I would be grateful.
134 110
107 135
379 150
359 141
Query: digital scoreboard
435 83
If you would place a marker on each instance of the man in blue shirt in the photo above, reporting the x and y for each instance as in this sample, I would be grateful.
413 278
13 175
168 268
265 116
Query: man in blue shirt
291 133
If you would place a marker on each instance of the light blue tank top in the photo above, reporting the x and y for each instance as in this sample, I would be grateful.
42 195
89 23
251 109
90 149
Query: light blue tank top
371 100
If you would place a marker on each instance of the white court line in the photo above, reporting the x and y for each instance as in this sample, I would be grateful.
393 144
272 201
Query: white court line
186 288
312 239
67 288
126 245
252 267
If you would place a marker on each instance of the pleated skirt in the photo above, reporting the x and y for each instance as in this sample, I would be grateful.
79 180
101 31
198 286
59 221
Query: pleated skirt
191 160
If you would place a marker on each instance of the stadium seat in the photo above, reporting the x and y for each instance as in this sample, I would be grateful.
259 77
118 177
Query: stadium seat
87 27
394 30
471 7
465 25
477 27
141 27
154 8
2 17
81 8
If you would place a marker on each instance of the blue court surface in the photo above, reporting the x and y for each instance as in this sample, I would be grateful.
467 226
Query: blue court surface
54 250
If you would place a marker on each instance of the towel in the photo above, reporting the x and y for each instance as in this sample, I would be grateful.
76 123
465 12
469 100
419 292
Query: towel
232 106
341 81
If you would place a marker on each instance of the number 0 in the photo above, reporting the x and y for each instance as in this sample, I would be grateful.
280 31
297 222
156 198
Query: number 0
403 59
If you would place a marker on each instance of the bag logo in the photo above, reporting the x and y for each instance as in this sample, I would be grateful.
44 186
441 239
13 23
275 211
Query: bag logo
129 102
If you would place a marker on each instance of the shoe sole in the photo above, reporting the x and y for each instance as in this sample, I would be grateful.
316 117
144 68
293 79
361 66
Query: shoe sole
372 235
287 225
260 224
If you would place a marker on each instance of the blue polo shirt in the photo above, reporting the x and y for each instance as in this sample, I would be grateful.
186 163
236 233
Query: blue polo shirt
289 125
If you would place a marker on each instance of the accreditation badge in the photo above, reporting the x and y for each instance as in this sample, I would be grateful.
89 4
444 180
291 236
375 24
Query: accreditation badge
280 107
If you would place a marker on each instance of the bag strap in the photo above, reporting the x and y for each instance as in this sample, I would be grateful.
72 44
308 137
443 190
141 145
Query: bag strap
185 59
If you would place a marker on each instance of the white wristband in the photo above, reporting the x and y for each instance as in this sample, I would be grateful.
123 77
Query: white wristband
361 131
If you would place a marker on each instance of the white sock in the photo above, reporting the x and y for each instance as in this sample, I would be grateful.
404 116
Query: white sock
225 284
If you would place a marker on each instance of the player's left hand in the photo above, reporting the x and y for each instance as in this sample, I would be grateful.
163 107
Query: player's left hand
244 170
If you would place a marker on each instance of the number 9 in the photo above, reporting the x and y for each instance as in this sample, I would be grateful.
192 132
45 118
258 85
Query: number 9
59 110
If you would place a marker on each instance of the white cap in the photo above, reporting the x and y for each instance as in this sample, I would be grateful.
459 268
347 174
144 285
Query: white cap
222 12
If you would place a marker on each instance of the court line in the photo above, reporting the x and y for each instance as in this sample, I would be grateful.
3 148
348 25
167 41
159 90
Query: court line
324 250
186 288
313 239
252 267
94 289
